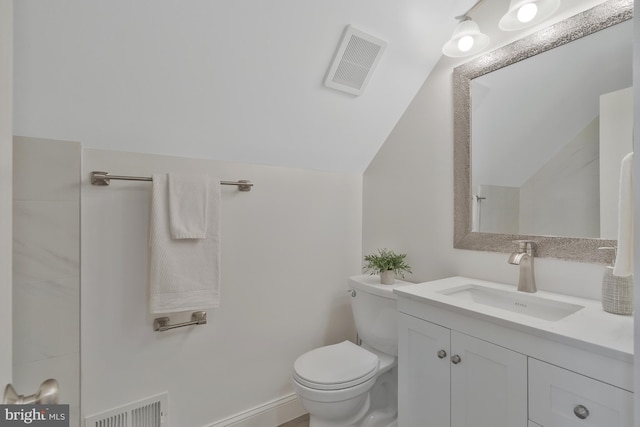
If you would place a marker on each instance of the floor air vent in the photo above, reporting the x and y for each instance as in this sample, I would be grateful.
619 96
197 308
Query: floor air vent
356 58
150 412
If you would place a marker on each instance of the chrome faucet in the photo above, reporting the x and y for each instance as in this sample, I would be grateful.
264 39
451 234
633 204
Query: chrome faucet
524 258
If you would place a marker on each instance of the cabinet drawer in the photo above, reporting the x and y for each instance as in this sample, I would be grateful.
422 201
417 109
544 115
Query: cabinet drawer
561 398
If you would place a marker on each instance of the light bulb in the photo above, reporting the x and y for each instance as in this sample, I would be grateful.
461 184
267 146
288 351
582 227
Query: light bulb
527 12
465 43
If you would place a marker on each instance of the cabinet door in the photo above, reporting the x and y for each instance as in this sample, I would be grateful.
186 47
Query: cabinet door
561 398
423 373
488 384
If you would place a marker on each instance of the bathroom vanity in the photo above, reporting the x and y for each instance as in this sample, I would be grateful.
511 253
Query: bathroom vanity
480 354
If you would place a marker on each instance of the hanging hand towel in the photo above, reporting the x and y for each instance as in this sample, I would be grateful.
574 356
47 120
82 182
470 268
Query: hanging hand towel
184 274
188 199
624 259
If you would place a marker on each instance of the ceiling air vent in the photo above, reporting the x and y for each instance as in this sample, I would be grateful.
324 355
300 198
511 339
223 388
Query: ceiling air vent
355 60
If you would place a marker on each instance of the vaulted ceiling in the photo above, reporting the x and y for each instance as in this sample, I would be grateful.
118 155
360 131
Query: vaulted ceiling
238 80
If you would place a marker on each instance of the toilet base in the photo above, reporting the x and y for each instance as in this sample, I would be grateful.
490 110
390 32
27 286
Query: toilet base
379 410
315 421
380 418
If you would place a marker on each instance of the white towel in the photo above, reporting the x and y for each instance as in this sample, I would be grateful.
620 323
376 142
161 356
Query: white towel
624 259
184 274
188 200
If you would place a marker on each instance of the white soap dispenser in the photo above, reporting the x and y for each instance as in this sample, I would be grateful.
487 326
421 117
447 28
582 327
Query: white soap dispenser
617 292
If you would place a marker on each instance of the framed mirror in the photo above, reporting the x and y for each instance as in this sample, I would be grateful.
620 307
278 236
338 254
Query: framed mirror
543 138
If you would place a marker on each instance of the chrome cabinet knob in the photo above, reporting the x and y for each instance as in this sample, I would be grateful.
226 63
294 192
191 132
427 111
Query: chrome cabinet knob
442 354
352 292
581 412
455 359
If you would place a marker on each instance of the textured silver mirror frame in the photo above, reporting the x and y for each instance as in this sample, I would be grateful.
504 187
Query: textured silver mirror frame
568 248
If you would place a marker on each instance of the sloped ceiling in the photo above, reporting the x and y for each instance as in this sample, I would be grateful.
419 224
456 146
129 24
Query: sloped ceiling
237 80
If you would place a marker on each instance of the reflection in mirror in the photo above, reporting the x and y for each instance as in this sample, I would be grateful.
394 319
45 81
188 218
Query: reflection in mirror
528 168
539 168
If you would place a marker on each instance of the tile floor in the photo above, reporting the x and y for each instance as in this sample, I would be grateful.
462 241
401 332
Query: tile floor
302 421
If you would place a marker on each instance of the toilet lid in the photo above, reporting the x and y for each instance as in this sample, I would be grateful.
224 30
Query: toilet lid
335 366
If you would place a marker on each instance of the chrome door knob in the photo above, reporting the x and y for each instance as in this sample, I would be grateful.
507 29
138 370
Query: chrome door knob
47 394
442 354
455 359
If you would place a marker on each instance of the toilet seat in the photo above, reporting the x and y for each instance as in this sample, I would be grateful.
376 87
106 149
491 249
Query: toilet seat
335 367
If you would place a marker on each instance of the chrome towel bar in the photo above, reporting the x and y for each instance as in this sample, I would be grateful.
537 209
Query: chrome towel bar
161 324
104 178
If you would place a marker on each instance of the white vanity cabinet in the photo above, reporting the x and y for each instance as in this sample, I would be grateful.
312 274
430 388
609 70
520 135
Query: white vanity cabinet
448 378
561 398
423 373
460 365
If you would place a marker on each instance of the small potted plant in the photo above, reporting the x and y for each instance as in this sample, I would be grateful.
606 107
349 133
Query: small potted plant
387 264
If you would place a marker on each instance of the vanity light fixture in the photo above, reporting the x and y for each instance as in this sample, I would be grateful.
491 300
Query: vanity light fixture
525 13
466 39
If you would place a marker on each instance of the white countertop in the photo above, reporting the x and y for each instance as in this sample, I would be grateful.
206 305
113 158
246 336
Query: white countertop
591 327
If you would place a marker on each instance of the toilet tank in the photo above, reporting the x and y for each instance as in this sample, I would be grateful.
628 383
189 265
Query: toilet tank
375 312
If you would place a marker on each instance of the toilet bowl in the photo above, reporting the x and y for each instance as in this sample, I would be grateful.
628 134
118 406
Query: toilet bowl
346 385
334 382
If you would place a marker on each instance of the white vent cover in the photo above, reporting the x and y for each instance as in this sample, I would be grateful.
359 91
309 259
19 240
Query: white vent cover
356 58
150 412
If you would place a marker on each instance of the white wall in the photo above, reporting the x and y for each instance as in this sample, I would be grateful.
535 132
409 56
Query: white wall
288 247
46 267
408 188
616 140
414 169
6 142
636 198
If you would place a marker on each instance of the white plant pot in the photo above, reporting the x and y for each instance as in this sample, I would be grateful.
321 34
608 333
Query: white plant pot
387 277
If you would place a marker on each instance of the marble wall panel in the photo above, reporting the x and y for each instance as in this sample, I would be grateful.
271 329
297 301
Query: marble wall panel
46 267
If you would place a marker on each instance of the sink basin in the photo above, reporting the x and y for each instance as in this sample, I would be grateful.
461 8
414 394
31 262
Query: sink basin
513 301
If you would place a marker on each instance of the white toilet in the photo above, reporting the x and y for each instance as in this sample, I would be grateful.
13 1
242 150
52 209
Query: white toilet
345 385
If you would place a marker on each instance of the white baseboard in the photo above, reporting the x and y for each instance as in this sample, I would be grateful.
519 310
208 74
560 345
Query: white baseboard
271 414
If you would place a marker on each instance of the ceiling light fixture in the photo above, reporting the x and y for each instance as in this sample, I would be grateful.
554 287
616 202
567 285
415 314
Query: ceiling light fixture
467 38
526 13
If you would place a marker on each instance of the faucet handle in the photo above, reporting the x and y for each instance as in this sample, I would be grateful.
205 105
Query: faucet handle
528 246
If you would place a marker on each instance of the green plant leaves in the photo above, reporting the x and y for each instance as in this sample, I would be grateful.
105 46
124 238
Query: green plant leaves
386 260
